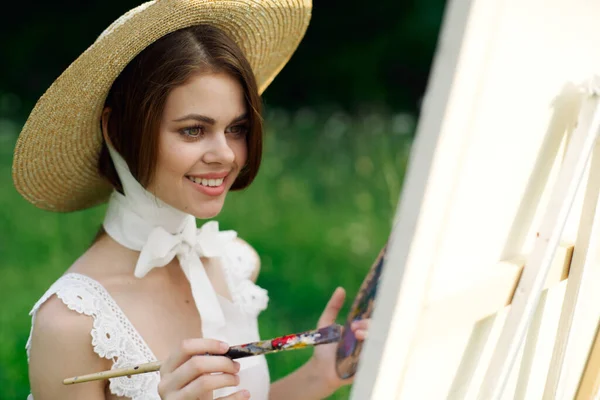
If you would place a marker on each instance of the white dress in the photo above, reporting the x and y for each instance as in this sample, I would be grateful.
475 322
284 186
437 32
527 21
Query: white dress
115 338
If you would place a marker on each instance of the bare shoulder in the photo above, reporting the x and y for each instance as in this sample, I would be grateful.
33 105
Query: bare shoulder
106 260
60 348
254 255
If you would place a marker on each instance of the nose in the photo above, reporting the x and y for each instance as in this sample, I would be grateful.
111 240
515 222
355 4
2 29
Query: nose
218 150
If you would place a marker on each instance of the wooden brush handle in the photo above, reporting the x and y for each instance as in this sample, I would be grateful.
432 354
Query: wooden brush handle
114 373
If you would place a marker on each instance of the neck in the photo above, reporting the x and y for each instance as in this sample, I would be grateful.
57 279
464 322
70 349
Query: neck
118 264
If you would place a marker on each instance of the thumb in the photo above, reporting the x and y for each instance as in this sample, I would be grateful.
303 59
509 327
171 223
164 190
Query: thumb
332 308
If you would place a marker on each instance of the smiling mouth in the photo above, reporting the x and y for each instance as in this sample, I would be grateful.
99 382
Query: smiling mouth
207 182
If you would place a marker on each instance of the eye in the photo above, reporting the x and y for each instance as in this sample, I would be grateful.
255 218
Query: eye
238 130
193 131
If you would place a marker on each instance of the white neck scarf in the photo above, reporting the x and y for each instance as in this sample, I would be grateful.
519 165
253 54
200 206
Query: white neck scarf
142 222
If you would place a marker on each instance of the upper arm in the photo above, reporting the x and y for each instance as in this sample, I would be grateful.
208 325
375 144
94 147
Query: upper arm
61 348
254 255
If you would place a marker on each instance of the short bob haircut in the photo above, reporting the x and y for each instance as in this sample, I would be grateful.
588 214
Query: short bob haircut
137 99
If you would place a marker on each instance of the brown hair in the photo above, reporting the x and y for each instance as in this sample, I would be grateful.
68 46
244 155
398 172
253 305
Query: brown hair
137 99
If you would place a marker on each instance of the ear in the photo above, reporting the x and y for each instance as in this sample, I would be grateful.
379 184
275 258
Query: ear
104 124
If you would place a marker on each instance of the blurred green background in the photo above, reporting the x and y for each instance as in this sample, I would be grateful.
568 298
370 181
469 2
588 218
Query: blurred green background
340 121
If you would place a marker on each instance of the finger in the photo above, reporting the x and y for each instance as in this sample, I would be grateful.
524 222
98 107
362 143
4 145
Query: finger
241 395
207 383
360 324
361 334
332 308
201 365
191 347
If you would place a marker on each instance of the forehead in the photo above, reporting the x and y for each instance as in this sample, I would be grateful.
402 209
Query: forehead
215 95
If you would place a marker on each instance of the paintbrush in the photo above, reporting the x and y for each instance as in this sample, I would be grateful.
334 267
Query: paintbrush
328 334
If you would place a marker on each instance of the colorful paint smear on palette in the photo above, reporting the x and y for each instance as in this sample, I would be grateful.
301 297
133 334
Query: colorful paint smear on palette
329 334
349 348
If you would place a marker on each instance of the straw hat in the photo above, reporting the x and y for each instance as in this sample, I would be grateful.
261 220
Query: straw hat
55 160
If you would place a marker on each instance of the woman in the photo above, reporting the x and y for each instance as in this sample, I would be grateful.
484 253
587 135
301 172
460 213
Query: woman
164 111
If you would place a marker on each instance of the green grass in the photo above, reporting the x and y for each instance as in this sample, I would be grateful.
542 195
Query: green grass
318 213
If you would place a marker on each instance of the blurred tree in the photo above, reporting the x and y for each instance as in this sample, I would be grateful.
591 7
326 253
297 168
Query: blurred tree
355 53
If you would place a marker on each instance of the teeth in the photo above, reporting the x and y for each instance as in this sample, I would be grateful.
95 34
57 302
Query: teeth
206 182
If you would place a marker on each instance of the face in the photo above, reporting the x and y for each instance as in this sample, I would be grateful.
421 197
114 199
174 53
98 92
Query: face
202 144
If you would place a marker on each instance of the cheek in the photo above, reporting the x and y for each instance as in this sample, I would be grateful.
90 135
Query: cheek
240 149
173 159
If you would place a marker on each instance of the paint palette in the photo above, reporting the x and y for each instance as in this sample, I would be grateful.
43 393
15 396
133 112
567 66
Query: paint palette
349 348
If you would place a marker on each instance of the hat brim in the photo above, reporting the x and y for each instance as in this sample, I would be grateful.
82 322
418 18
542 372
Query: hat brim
56 155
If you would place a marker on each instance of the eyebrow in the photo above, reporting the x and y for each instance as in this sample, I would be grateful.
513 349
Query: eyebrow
208 120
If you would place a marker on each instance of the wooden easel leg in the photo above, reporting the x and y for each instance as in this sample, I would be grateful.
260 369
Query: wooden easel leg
589 388
531 283
581 305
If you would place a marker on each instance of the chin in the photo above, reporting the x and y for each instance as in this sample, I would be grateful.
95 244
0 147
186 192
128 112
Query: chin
206 211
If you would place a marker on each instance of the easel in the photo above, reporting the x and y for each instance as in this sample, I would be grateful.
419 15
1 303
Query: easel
521 283
441 327
584 144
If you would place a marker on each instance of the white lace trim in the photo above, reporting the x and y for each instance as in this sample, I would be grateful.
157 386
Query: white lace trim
249 297
116 339
113 335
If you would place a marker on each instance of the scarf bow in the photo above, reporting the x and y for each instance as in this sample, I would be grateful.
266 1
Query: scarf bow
189 246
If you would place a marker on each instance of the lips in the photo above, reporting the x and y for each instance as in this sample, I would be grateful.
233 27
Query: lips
207 182
212 179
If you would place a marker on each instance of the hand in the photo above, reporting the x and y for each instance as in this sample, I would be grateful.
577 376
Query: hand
323 359
188 374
